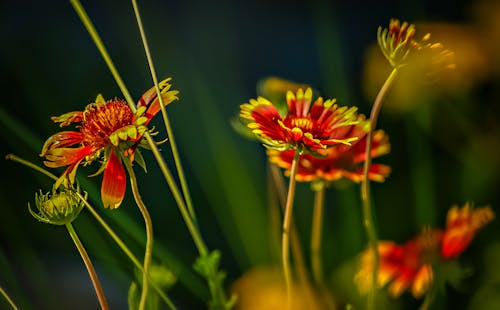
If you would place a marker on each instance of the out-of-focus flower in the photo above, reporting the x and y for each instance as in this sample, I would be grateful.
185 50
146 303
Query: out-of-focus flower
461 227
264 288
401 267
59 207
341 161
109 131
410 266
432 70
398 41
306 126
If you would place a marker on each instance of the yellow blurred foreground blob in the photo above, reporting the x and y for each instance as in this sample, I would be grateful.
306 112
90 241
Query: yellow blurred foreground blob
263 288
464 63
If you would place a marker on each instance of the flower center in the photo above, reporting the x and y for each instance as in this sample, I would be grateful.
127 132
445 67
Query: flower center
100 120
303 123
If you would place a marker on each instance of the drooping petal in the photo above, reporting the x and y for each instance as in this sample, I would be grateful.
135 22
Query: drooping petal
113 182
60 157
61 139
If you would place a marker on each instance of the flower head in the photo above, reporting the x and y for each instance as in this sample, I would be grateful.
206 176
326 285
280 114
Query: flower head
410 266
401 267
59 207
108 130
461 227
341 161
398 41
306 126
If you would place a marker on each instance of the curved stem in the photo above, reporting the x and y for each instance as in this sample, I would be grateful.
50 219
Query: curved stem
368 220
317 227
8 299
295 245
149 232
285 241
168 127
90 267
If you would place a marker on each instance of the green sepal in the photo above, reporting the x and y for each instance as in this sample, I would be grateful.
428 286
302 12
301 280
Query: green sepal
139 159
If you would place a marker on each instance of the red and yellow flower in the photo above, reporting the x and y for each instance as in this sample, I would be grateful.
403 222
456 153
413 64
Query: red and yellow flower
410 266
341 161
306 126
109 131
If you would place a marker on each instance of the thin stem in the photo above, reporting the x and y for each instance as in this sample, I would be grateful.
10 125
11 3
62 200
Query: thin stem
168 127
30 165
368 220
102 49
316 232
90 267
192 228
285 241
149 232
296 247
9 300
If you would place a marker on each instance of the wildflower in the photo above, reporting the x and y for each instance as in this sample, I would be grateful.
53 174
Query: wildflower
59 207
341 161
461 227
398 41
401 267
410 266
107 130
304 127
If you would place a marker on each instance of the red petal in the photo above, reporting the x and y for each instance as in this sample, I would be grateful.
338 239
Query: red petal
113 183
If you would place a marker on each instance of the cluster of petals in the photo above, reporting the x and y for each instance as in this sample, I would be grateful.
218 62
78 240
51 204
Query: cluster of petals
410 266
306 126
106 130
340 161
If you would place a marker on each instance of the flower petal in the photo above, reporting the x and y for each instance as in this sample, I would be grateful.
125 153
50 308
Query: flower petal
113 183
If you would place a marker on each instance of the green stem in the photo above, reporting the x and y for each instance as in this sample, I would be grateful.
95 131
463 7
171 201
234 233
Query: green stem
285 240
317 228
8 299
90 267
168 127
296 247
149 232
368 220
30 165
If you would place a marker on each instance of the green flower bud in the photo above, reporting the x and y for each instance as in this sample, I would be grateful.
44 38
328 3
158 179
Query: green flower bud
59 207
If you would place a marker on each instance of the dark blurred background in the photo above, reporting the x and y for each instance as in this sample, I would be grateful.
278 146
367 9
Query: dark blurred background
445 135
